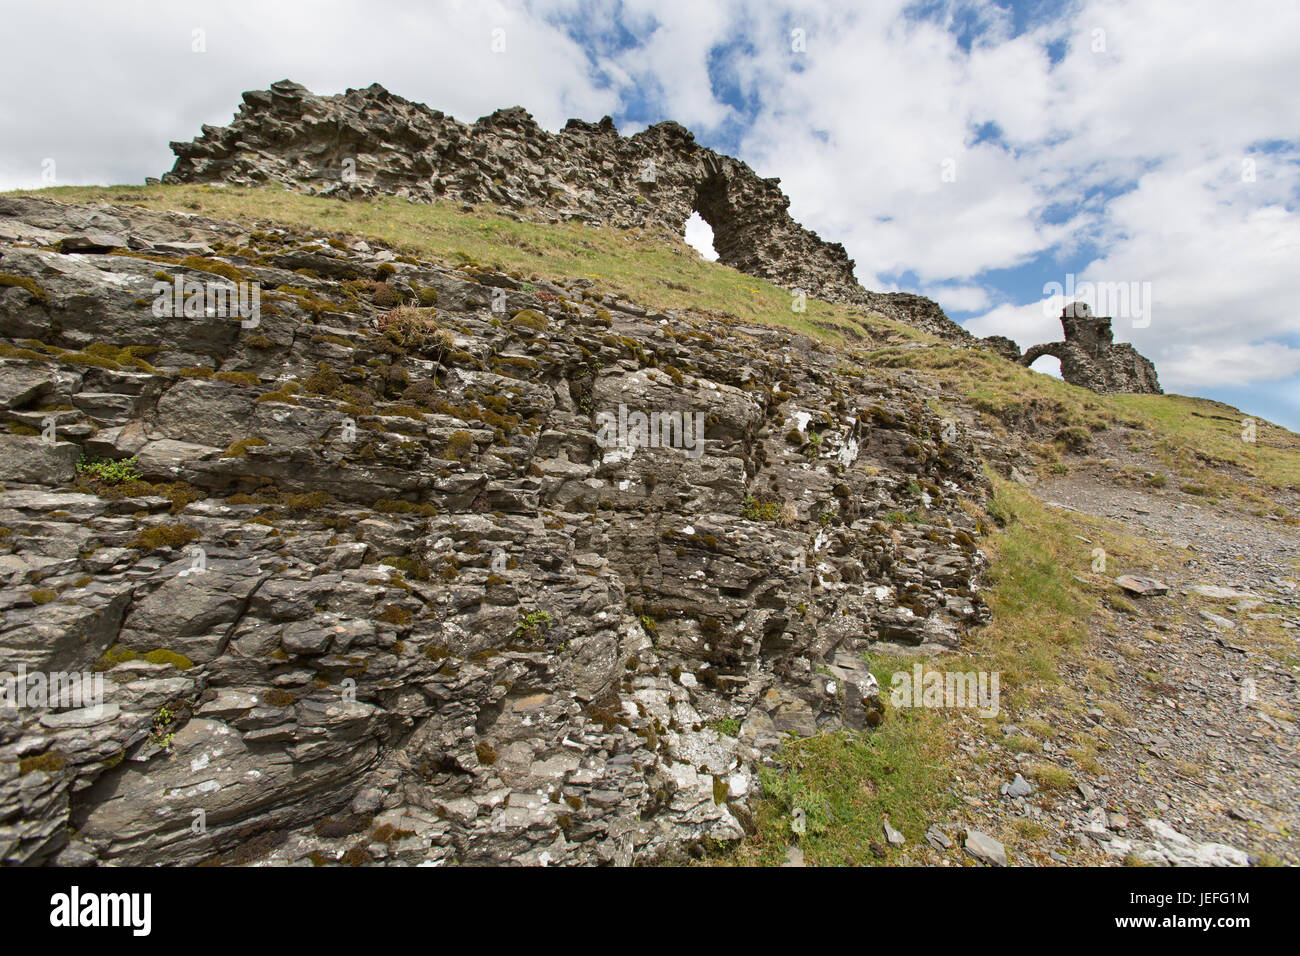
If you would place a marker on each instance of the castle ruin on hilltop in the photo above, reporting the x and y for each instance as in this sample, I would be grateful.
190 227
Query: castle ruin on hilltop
1090 357
372 142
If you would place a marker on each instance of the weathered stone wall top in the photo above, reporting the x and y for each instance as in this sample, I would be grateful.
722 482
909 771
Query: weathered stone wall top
1090 358
367 142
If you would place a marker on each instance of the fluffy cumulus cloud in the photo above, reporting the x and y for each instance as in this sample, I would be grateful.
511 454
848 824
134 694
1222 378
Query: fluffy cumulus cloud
102 88
968 149
1145 144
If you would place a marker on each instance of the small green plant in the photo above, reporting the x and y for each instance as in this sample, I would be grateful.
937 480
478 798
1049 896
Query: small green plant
727 727
533 624
108 471
756 510
162 734
997 512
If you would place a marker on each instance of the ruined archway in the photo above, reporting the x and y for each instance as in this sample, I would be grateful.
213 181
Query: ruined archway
714 204
586 172
1090 358
1047 364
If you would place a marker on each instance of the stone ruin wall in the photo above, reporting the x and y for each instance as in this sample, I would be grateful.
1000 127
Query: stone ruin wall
1090 358
372 142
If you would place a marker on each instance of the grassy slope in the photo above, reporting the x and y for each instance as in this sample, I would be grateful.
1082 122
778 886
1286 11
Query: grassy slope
1042 591
1198 440
649 268
659 270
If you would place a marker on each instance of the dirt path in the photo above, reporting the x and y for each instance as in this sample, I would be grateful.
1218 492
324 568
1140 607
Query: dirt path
1168 715
1207 682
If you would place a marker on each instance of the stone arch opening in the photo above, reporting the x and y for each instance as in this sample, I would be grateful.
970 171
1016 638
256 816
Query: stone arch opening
699 236
716 208
1048 364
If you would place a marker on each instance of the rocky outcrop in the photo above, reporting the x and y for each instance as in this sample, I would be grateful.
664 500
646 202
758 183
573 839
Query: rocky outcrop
1002 345
390 570
1090 358
372 142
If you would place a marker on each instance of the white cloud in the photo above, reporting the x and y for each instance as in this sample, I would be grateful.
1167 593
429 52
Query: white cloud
1027 324
1213 365
699 236
958 298
134 82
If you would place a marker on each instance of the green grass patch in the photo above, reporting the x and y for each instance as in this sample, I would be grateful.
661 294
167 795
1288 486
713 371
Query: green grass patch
846 785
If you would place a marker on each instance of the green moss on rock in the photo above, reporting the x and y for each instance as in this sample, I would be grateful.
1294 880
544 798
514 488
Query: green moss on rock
163 656
52 761
22 282
163 536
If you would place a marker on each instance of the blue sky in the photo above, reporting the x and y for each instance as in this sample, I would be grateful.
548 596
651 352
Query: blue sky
970 151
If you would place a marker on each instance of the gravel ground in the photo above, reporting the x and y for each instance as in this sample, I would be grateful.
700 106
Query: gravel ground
1208 683
1197 725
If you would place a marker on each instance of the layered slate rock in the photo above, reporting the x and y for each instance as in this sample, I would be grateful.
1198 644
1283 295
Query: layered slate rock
385 594
1090 357
372 142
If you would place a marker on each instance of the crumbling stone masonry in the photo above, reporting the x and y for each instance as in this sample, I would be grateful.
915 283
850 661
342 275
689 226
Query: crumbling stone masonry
1090 358
441 617
372 142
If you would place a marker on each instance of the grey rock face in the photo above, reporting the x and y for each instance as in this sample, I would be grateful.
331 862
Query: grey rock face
392 599
373 142
985 849
1090 358
1142 585
22 459
1003 346
1169 847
